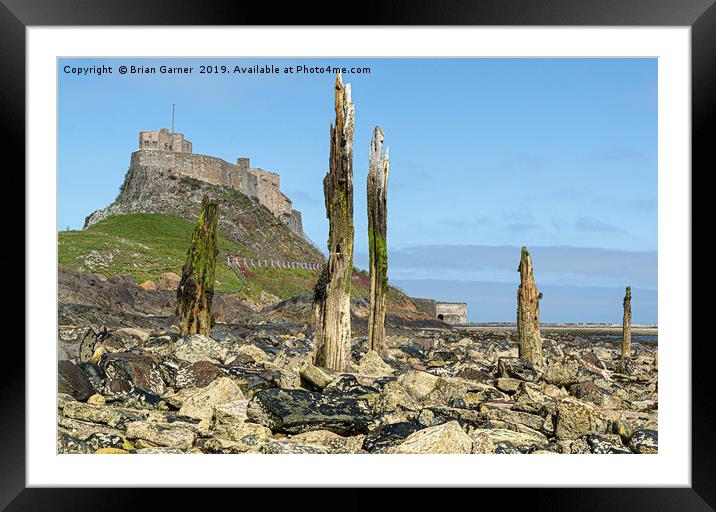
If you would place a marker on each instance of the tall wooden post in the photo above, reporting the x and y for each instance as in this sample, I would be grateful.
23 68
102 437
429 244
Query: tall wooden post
196 288
626 326
378 164
528 297
332 310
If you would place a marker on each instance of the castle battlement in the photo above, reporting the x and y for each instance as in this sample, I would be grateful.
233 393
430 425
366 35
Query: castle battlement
171 152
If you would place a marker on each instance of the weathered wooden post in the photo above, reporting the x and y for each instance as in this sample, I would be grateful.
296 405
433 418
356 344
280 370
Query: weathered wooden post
378 164
626 326
196 288
528 297
332 309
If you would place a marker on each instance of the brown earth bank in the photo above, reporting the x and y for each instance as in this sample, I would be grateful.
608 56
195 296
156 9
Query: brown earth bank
130 384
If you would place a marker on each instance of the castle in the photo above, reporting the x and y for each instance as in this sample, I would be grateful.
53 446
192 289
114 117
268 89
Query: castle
170 151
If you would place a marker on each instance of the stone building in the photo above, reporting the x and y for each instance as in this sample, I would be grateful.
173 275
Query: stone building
449 312
171 152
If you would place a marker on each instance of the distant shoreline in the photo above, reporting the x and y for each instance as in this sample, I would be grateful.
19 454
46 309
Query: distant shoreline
647 329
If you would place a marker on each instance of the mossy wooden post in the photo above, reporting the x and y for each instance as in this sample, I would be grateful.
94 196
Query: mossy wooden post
626 326
332 292
528 297
377 240
196 288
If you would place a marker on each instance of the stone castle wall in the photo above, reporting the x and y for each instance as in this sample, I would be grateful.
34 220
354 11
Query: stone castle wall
170 152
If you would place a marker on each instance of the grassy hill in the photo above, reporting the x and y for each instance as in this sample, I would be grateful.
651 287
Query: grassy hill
145 246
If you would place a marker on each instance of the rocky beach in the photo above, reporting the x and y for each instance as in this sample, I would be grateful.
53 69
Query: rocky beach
128 383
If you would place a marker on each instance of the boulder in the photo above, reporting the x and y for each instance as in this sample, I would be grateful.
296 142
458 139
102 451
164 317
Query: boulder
314 377
294 411
490 440
196 375
200 405
447 438
253 352
288 447
127 370
163 434
139 334
231 413
372 364
563 373
392 398
168 281
516 368
387 437
251 435
149 285
331 441
644 440
98 414
418 384
576 419
606 444
73 381
507 384
200 348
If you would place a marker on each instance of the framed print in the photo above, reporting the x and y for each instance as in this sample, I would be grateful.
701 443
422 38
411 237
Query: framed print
445 248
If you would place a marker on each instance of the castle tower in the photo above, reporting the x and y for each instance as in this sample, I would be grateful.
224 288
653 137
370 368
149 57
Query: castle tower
164 140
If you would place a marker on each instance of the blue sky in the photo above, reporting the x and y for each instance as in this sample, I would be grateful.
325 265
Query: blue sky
486 155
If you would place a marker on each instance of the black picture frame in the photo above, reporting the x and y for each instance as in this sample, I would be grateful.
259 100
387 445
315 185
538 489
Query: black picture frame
16 15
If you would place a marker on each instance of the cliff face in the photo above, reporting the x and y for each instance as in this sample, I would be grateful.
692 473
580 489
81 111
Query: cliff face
241 218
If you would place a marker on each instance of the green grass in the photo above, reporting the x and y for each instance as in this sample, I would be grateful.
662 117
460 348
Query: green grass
145 246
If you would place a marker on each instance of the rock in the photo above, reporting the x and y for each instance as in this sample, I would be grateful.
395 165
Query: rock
110 451
476 375
563 373
250 435
446 438
516 368
133 332
294 411
73 381
372 364
287 447
98 414
201 404
576 419
126 370
253 352
591 392
495 439
314 377
196 375
507 384
168 281
579 446
95 374
644 440
604 444
387 437
418 384
392 398
163 434
149 285
200 348
160 450
67 443
331 441
231 413
96 400
99 440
